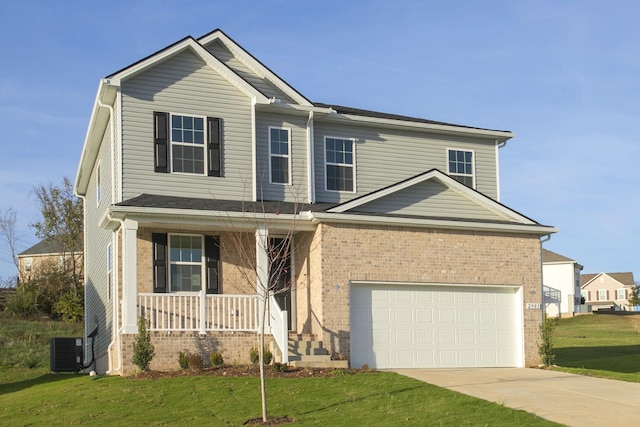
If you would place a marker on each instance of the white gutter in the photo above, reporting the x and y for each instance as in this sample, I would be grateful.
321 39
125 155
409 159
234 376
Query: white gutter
543 239
254 161
116 301
311 179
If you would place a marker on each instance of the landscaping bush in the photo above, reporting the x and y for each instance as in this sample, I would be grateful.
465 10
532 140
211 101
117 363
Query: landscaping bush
192 361
545 348
254 356
143 350
216 359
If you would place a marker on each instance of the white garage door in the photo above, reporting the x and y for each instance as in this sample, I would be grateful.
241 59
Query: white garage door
426 326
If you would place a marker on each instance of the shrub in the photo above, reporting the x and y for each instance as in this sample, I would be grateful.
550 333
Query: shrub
340 373
143 350
70 307
216 359
545 348
182 360
280 367
254 356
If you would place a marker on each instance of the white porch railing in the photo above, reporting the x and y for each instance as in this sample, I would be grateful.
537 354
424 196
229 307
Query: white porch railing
197 311
279 327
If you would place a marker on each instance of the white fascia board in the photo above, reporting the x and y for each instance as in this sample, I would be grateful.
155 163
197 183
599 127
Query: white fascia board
199 219
201 52
254 65
93 138
499 136
432 223
295 108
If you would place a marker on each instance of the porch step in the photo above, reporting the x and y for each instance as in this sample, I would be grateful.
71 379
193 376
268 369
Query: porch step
312 354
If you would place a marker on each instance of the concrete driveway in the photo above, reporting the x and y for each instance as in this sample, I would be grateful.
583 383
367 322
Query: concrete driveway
574 400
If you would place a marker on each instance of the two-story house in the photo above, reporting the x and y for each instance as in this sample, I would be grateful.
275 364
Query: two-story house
608 291
561 278
198 159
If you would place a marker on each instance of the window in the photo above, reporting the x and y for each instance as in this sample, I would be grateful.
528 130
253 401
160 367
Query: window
179 264
340 169
109 271
279 157
28 263
461 167
621 295
185 263
585 295
602 294
183 144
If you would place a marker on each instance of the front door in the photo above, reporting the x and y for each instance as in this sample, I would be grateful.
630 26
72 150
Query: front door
280 274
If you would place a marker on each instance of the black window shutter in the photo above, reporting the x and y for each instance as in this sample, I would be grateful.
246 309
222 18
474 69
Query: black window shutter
212 255
214 146
161 141
160 262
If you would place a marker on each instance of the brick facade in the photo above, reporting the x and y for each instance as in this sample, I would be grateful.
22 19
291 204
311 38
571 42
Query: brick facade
327 260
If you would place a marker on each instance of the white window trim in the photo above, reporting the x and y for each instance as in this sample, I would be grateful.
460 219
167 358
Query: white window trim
353 156
204 144
618 295
473 164
289 177
605 294
202 262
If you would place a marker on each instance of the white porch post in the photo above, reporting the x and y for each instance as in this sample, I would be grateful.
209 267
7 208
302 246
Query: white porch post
129 274
262 271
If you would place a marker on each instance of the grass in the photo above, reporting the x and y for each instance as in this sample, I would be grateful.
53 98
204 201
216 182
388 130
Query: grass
602 345
363 399
30 395
25 344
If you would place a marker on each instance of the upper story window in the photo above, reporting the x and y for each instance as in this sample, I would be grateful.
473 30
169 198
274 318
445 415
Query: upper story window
28 263
621 294
340 164
187 144
461 166
279 155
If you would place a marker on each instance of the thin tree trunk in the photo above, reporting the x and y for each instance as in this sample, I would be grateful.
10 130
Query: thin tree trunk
263 386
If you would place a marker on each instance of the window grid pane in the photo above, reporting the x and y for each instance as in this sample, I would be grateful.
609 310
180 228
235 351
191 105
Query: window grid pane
279 154
461 166
187 144
185 256
339 164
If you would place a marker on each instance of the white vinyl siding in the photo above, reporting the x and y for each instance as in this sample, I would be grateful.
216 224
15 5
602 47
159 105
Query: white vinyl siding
98 306
297 190
185 84
385 156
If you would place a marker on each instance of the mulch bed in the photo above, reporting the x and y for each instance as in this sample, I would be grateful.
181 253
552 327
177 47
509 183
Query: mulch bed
246 371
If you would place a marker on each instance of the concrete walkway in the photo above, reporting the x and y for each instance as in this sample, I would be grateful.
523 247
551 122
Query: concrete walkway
573 400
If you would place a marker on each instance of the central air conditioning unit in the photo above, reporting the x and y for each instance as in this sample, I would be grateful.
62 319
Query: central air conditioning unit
66 354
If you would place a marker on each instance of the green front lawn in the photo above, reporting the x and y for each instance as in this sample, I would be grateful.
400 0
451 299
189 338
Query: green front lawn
363 399
605 345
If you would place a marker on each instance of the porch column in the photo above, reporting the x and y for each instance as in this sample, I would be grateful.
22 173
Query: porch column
129 276
262 270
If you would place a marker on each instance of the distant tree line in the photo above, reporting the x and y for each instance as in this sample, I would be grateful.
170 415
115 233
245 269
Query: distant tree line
55 288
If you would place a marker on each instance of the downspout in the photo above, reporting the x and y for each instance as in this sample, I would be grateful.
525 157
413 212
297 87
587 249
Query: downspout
112 148
116 298
84 264
543 239
311 179
254 162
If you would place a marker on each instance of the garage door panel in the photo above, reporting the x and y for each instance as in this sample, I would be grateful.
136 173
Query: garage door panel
433 326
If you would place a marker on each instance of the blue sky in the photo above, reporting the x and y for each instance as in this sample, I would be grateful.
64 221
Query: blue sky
564 76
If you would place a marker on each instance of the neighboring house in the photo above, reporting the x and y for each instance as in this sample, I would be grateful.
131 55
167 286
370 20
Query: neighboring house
402 254
561 274
607 291
48 253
